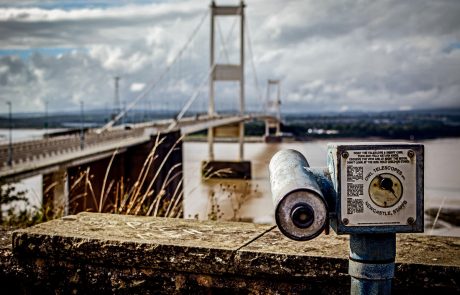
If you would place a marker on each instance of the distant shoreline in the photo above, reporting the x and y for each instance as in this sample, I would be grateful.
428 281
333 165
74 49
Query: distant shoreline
202 137
402 125
252 139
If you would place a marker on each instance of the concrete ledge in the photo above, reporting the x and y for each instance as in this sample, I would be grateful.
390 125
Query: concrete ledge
94 253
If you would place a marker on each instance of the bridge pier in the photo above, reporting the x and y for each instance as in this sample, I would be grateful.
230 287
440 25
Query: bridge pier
273 105
239 169
271 125
55 193
226 131
211 144
241 142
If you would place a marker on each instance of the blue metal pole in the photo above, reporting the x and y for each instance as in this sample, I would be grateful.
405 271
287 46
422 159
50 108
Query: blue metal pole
372 263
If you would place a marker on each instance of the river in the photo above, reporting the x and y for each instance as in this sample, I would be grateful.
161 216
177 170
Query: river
251 200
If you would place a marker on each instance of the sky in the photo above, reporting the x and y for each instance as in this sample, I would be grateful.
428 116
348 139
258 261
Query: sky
329 55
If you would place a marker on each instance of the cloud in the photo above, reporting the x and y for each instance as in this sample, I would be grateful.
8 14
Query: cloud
31 27
330 55
136 87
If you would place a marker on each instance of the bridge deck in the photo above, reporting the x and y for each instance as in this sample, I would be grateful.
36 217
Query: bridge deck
44 155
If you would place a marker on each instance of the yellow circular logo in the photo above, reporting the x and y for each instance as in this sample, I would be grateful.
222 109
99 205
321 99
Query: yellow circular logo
385 190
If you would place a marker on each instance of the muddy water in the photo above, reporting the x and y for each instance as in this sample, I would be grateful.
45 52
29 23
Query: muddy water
251 200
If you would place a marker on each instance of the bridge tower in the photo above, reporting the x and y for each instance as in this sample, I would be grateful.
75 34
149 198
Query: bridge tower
116 97
226 72
273 106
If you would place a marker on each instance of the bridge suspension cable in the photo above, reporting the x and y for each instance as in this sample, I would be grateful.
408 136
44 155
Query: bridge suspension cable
224 45
193 97
256 80
154 83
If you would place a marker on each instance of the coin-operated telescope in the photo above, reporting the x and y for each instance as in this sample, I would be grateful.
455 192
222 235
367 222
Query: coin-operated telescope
369 191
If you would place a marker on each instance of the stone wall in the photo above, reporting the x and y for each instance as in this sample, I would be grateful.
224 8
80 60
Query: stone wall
102 253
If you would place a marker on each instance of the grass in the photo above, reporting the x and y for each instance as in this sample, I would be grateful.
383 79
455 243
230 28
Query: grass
139 198
226 200
19 213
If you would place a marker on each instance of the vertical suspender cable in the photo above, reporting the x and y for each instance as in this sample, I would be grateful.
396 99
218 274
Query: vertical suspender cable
154 83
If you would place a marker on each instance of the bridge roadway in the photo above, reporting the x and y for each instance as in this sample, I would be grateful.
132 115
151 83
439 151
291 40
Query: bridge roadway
47 155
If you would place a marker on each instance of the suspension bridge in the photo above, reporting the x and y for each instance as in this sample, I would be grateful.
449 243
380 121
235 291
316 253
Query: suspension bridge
65 156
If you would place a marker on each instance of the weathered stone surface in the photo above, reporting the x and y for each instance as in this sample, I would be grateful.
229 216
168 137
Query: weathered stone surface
11 273
158 243
428 250
102 253
5 238
273 253
427 263
422 262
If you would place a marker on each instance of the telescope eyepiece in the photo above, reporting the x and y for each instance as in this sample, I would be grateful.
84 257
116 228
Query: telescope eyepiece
300 209
302 215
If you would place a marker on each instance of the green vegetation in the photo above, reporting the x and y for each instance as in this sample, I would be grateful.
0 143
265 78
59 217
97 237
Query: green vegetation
391 125
19 211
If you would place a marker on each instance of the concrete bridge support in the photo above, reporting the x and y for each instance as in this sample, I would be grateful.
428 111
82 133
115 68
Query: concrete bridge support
55 193
238 169
273 105
272 131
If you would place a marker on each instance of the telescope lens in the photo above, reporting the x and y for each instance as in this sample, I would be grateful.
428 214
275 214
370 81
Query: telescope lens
302 215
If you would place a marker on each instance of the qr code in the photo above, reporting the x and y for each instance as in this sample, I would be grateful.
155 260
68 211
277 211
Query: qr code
354 190
354 206
354 173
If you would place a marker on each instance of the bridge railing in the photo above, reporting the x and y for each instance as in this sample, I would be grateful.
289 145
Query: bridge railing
36 150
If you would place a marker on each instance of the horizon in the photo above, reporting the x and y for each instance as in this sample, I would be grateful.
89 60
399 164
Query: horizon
437 111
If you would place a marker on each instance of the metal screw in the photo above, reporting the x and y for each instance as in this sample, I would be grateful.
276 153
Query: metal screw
345 155
410 220
345 221
410 154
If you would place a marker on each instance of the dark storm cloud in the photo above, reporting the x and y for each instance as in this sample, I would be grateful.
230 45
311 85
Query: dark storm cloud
389 19
14 70
61 28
